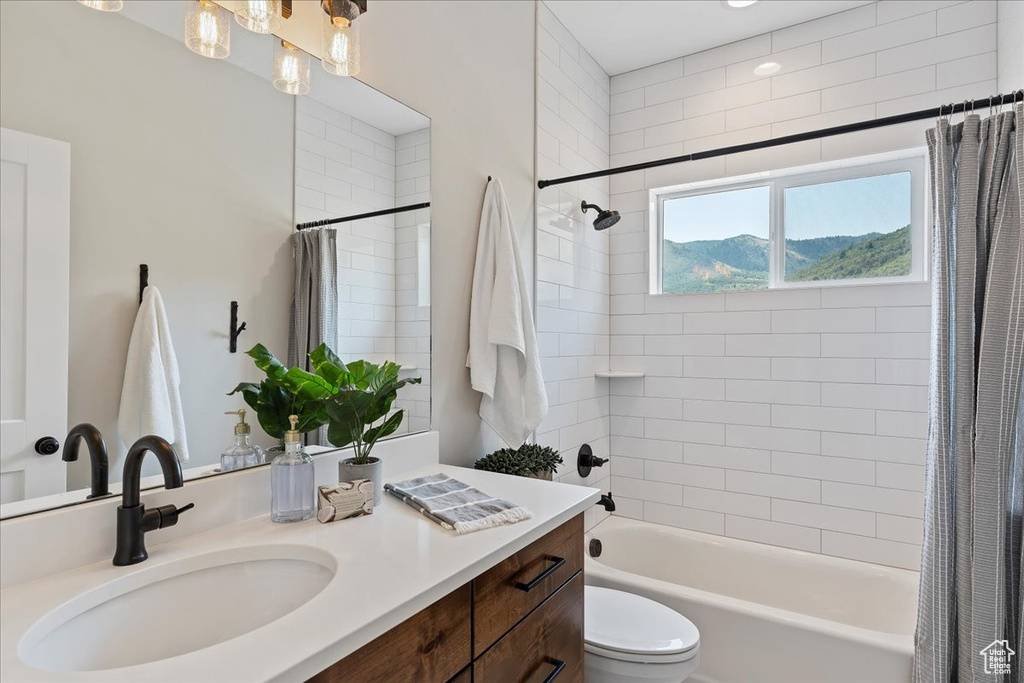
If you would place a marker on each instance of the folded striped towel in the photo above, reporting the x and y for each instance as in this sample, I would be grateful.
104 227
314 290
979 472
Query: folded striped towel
455 505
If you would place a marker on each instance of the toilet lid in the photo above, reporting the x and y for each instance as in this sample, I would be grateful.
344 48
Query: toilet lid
617 621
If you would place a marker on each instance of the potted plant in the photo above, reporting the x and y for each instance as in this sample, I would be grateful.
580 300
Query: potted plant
359 411
285 391
529 460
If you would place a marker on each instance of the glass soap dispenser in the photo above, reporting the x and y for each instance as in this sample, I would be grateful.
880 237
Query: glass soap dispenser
243 453
291 480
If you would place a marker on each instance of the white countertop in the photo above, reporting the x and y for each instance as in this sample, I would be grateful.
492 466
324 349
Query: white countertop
390 564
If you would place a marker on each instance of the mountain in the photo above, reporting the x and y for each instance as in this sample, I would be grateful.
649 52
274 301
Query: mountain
741 262
880 256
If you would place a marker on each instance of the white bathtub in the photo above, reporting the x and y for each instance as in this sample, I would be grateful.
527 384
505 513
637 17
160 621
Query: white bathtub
767 614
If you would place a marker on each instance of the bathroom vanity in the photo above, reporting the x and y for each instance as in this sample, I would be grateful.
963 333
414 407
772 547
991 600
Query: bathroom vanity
389 596
521 619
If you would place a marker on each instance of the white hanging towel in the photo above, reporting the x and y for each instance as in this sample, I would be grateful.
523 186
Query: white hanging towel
503 359
150 396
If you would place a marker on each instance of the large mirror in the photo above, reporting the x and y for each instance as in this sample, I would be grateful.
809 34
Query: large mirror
123 148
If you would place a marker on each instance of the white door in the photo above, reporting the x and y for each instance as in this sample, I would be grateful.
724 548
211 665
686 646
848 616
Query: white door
35 220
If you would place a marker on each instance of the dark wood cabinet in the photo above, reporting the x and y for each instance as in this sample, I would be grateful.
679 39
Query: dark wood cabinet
521 620
432 645
549 640
510 590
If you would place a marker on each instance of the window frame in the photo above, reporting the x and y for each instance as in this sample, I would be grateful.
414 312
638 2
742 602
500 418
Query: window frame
777 182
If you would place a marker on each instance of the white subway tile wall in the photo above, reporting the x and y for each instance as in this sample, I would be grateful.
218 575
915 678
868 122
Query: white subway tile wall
412 275
573 266
345 166
794 417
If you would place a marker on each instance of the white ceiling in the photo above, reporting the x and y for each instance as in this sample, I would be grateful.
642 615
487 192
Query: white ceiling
624 35
254 53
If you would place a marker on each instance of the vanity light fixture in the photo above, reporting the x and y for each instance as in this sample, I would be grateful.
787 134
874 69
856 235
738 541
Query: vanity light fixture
340 42
259 16
104 5
207 29
740 4
291 69
767 69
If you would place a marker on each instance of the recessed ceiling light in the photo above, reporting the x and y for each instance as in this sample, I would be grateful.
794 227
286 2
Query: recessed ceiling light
767 69
740 4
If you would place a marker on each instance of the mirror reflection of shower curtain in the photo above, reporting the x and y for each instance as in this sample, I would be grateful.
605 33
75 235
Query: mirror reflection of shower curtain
314 317
970 602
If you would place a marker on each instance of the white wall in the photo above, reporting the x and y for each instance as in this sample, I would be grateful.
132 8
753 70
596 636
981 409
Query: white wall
1011 45
572 257
477 87
796 417
170 167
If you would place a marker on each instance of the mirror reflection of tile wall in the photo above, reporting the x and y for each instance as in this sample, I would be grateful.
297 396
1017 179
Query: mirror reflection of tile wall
345 166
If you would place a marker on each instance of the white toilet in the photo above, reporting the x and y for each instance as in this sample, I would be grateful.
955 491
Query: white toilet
631 638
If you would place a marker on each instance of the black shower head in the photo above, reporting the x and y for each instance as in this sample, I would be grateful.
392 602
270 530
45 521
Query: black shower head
605 219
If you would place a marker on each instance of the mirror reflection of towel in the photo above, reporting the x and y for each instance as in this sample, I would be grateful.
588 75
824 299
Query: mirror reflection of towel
150 395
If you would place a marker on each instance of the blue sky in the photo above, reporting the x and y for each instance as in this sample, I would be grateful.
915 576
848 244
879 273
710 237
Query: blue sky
846 207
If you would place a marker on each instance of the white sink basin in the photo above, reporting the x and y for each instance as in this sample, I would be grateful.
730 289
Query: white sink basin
167 610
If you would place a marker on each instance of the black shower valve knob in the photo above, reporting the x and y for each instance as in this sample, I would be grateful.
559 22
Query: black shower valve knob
586 460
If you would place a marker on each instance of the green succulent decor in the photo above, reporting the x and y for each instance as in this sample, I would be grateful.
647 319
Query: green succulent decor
348 398
529 460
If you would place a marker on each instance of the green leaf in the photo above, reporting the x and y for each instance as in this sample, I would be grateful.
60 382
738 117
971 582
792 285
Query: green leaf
250 393
327 365
359 372
386 428
306 386
338 435
266 361
311 419
273 408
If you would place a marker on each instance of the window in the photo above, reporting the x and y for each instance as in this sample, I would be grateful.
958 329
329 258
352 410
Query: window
861 222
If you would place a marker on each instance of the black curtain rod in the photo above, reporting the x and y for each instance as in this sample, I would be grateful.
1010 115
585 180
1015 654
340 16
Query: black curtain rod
944 110
360 216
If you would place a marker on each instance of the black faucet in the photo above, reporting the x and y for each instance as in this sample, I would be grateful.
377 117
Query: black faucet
133 519
607 502
97 456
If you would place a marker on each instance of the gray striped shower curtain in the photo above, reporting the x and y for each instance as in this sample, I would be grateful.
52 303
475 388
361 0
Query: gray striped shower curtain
314 302
970 597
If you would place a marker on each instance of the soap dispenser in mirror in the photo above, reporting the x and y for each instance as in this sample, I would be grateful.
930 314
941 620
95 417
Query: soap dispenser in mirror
291 480
243 453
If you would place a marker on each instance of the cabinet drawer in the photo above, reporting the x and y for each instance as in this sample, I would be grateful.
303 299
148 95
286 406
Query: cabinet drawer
431 646
546 646
508 591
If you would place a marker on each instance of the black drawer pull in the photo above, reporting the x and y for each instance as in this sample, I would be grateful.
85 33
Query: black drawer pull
559 665
527 587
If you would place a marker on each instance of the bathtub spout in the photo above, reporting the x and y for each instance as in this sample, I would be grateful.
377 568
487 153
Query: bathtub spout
607 502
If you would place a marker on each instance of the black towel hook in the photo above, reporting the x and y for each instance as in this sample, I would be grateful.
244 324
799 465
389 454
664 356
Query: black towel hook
143 280
235 329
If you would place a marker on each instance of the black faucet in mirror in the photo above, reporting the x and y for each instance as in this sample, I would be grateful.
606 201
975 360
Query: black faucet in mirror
133 519
97 456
